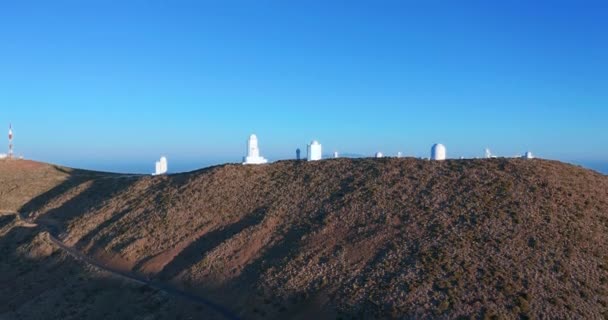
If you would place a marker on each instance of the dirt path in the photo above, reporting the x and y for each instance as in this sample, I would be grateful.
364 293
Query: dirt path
169 290
124 275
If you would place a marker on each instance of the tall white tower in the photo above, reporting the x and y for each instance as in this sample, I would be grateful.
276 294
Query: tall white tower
438 152
488 153
10 141
315 151
252 147
253 152
161 166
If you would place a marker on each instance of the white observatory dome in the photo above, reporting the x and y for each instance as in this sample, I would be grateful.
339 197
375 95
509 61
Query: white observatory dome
379 155
528 155
438 152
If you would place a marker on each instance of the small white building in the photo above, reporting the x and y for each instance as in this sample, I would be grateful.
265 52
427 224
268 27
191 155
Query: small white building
336 155
379 155
528 155
315 151
161 166
253 152
399 154
438 152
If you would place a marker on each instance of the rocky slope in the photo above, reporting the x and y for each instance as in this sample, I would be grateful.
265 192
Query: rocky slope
347 238
39 281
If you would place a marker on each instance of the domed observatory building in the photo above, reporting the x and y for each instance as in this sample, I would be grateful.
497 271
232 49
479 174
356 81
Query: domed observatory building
315 151
253 152
379 155
528 155
438 152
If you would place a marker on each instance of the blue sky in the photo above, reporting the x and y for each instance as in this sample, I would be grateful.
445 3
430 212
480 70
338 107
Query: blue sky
114 84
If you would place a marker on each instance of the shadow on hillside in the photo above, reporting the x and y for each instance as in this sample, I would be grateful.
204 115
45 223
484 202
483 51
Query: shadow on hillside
62 169
283 248
5 220
33 206
242 290
160 199
86 239
62 287
272 256
73 198
280 252
196 251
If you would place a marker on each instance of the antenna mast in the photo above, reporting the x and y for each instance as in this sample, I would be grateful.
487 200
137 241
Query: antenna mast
10 141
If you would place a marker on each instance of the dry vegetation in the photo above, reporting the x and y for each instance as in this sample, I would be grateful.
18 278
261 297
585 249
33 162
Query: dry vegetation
340 239
39 281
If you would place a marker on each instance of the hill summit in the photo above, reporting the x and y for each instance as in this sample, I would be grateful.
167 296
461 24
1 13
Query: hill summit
333 239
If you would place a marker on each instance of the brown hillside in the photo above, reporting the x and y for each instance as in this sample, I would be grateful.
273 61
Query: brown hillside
22 180
39 281
364 238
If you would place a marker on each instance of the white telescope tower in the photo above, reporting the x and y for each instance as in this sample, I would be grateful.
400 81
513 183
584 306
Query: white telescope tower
253 152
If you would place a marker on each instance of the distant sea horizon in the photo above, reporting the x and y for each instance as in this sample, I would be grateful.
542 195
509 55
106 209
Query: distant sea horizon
599 166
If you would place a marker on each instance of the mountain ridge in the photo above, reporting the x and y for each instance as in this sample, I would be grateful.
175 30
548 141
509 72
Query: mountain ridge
346 238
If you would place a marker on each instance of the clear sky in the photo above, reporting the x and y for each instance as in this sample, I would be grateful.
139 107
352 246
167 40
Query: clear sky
115 84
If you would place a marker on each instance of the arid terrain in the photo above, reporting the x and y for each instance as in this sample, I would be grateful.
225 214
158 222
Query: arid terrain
334 239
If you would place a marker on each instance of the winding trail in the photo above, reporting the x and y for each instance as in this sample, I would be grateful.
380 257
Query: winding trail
159 286
124 275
